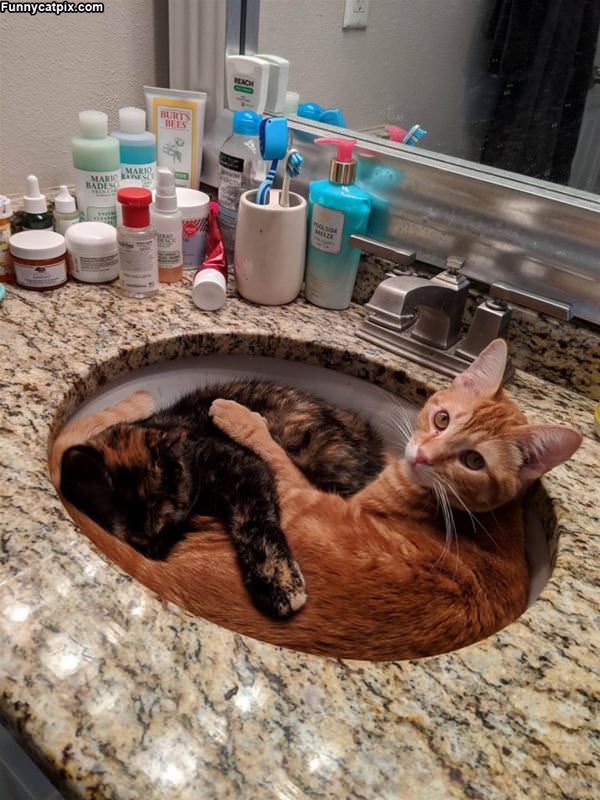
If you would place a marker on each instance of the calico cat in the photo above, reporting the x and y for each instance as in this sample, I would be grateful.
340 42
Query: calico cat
387 579
142 481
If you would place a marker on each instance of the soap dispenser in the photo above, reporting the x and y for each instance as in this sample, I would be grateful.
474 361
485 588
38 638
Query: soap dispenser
337 208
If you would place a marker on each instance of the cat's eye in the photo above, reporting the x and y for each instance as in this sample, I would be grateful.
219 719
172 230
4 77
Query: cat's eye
441 420
472 459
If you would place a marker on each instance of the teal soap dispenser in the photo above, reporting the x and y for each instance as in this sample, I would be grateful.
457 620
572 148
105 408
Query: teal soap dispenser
337 208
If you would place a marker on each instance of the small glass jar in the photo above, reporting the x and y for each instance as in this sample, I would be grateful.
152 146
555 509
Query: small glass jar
39 259
93 252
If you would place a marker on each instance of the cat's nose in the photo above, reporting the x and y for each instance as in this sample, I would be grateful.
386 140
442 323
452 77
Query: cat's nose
420 457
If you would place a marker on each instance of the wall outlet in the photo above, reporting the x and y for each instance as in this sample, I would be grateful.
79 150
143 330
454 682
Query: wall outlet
356 13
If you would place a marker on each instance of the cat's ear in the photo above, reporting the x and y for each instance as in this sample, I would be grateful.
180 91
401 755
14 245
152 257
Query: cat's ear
86 483
484 376
545 447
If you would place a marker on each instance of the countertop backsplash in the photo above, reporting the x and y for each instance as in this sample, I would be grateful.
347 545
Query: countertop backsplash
565 353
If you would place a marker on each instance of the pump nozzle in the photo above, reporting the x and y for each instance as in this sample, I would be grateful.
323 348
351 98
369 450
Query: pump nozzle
396 134
342 168
166 193
34 201
344 146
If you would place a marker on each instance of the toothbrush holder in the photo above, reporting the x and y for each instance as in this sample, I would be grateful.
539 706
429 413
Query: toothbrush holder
270 248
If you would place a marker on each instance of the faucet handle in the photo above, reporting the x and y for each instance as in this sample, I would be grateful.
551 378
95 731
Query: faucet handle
454 264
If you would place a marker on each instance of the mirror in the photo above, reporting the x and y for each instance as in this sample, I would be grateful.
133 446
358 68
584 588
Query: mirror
507 83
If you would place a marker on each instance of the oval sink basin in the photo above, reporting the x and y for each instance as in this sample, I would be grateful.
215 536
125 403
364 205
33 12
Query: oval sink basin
169 380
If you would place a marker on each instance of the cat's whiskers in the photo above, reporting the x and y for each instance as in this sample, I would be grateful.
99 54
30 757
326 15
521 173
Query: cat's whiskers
449 523
472 517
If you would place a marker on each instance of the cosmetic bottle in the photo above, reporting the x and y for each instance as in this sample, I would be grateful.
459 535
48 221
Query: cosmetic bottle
97 169
7 274
137 147
138 253
36 215
337 208
65 210
240 168
167 219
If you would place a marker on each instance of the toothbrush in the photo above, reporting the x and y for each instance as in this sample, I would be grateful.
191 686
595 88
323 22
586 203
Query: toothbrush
262 196
273 143
414 135
292 166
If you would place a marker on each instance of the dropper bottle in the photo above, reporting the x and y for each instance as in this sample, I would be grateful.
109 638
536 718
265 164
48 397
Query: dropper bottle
65 210
36 215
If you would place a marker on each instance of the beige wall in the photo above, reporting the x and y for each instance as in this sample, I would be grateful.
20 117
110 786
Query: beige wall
417 61
53 67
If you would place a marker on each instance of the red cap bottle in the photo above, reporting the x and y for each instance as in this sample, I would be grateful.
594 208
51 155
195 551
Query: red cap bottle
136 206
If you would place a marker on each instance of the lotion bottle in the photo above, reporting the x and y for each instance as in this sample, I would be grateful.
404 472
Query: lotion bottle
138 255
167 220
337 208
97 169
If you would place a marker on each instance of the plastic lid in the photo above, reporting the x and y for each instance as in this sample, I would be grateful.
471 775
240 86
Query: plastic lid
192 202
132 120
93 124
333 116
246 122
209 290
344 146
64 202
135 201
5 207
34 201
37 244
310 110
165 196
92 239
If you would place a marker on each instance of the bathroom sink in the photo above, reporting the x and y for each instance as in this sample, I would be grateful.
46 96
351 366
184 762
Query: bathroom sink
169 380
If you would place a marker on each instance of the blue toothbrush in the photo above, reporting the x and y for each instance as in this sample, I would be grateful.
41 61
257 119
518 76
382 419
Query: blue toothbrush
273 142
414 135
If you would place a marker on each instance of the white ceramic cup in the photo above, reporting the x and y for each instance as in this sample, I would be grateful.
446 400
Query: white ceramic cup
270 248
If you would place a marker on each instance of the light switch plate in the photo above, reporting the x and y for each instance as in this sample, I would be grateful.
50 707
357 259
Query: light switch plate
356 13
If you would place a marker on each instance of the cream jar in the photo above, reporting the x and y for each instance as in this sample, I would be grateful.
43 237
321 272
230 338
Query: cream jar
93 252
39 259
194 213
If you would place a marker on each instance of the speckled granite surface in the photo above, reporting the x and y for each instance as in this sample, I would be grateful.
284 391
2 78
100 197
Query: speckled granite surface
119 696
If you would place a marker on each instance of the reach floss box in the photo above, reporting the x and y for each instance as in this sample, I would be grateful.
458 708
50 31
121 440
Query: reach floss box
176 118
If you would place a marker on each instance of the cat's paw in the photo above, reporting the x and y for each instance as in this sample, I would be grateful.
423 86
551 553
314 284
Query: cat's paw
141 404
236 420
279 592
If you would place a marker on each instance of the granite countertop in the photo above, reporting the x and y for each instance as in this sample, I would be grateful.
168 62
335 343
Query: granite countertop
119 695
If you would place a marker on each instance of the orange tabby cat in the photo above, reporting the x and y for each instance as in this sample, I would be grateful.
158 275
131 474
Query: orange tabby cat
385 579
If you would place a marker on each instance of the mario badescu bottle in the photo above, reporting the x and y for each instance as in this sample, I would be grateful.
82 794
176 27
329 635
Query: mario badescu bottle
337 208
167 220
138 253
97 169
137 147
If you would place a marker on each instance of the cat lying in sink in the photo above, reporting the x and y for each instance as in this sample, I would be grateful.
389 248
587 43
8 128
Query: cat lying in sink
399 558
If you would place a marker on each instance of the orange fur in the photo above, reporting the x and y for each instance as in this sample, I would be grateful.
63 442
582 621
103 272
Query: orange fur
382 581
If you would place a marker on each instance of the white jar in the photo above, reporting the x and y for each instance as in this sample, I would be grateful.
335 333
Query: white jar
194 211
93 252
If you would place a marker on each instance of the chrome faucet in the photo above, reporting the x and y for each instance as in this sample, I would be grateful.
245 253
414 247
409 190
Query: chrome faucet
422 318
